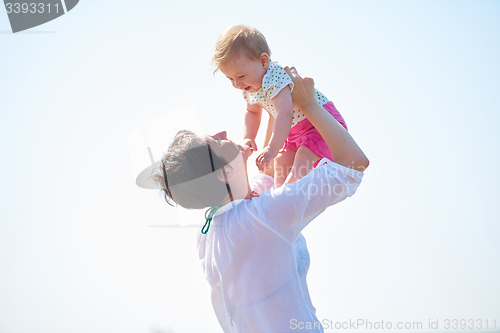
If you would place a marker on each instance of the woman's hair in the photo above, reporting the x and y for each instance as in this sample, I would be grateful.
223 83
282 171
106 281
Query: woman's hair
236 39
185 175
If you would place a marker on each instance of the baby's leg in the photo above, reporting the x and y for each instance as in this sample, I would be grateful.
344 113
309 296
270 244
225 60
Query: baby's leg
304 162
269 171
282 165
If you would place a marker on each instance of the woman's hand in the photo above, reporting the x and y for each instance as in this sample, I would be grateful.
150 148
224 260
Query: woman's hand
265 158
303 93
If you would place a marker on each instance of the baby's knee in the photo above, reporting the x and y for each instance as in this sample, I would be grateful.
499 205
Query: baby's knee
269 170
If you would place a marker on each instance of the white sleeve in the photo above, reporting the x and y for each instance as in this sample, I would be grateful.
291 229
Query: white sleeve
289 208
275 80
261 182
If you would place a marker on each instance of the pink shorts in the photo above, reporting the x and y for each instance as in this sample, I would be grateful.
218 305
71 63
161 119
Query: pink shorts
304 134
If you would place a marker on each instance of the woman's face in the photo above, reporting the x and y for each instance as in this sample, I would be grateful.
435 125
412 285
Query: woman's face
226 148
237 156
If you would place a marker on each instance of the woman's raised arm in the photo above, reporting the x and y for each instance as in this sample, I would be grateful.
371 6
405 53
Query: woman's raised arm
344 149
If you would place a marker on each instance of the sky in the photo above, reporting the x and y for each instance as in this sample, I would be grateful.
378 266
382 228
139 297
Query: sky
84 249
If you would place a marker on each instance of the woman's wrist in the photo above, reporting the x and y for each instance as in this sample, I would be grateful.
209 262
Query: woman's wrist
311 107
305 106
303 94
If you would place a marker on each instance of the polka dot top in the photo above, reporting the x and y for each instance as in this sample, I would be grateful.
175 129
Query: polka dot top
273 81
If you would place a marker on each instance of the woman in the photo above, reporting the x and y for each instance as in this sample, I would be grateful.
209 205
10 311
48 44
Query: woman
253 253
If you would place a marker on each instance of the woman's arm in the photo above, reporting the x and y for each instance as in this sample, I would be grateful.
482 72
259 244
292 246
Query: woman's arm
344 149
291 207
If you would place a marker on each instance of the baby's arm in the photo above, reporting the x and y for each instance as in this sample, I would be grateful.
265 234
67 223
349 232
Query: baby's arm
269 130
282 124
252 123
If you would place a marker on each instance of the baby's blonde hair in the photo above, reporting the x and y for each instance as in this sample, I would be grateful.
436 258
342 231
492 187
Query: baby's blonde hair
236 39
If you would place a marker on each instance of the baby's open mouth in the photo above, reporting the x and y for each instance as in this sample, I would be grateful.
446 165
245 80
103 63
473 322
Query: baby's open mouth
247 88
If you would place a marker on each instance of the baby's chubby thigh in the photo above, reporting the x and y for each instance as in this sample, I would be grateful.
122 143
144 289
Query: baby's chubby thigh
283 163
302 164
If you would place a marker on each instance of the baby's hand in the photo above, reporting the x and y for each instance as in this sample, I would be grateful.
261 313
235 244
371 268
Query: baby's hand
250 143
265 158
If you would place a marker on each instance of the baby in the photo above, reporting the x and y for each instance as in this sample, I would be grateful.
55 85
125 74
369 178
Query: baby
242 54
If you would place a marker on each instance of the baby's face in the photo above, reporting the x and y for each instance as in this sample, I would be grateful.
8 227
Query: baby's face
246 74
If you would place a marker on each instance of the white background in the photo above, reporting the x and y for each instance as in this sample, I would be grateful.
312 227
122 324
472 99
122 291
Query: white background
416 81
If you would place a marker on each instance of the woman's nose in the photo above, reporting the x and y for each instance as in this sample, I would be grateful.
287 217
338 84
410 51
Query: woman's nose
220 136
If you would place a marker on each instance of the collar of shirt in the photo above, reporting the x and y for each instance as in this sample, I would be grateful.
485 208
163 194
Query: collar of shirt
228 206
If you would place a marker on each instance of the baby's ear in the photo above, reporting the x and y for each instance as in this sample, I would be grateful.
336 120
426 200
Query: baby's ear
264 59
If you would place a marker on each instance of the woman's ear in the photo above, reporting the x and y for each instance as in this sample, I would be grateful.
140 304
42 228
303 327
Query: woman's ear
229 174
264 60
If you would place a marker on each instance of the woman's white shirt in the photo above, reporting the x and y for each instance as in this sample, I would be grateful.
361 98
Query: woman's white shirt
255 257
